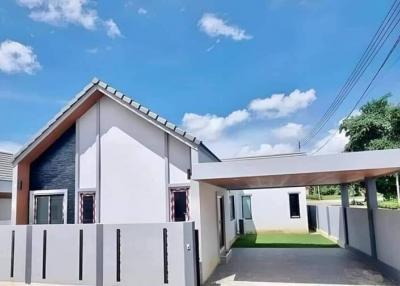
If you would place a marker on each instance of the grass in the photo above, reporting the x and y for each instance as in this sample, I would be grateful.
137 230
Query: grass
389 204
284 240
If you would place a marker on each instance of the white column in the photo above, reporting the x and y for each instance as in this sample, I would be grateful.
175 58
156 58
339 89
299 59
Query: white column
15 187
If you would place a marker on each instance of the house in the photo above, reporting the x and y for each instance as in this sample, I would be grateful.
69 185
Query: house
5 187
107 159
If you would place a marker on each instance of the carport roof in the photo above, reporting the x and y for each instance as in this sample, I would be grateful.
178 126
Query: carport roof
298 169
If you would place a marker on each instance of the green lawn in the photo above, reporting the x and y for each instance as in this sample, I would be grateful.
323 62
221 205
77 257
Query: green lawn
389 204
283 240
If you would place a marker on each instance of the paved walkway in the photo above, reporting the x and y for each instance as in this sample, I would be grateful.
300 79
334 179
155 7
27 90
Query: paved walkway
310 266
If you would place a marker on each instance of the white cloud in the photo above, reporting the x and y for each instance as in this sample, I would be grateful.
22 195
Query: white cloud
216 27
92 51
281 105
9 147
142 11
17 58
211 127
112 29
289 131
266 149
64 12
59 12
334 142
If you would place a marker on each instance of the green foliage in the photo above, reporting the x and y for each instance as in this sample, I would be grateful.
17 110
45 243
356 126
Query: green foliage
377 127
389 204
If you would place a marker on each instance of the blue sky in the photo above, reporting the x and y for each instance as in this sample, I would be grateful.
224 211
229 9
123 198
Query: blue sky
212 67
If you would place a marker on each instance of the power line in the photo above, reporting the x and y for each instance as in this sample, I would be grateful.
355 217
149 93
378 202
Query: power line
367 57
365 91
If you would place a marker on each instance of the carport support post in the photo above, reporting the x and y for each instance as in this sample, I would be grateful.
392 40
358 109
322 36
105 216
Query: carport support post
372 204
344 193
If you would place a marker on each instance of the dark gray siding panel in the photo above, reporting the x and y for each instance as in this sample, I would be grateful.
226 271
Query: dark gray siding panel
55 169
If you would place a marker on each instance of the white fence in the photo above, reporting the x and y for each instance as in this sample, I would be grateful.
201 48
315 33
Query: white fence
330 220
129 254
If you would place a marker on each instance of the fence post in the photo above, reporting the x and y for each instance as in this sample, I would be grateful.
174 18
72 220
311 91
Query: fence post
99 254
372 204
344 193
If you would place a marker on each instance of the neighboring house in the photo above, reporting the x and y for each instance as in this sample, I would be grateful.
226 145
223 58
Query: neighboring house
273 210
5 187
107 159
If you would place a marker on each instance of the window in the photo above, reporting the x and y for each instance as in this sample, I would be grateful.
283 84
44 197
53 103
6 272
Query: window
294 205
232 205
246 207
179 204
87 208
49 209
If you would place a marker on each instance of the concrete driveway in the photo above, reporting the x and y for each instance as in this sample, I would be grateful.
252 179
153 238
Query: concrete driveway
294 266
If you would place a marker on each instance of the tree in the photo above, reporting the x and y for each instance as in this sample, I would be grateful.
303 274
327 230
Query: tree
377 127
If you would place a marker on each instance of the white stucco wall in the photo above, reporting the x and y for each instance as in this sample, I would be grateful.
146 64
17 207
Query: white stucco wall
179 161
5 211
387 235
133 181
271 211
231 227
5 203
5 186
87 149
209 255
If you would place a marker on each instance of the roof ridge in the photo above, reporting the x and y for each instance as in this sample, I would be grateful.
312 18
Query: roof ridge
147 111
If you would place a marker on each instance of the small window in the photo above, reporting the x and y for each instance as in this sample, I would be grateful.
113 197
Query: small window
87 208
294 205
232 204
246 207
49 209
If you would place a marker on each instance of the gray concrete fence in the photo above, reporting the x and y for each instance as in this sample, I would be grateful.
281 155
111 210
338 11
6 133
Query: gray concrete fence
330 221
111 254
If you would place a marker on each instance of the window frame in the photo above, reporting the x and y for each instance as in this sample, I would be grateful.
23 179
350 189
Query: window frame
80 209
36 193
290 206
251 211
232 207
176 189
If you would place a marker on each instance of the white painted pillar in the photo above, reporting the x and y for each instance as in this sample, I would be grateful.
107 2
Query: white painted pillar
15 188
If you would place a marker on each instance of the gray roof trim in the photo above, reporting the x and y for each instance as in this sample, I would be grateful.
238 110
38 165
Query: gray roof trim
120 97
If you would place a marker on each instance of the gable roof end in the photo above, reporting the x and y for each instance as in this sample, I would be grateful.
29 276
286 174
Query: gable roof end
120 96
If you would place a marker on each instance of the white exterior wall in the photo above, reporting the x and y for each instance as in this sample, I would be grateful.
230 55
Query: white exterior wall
5 211
133 174
209 229
87 149
231 227
5 203
387 235
179 161
271 211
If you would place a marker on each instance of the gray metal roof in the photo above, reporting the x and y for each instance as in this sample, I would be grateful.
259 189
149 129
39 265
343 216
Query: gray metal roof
107 89
6 166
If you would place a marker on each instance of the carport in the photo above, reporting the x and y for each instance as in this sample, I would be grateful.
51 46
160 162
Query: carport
367 232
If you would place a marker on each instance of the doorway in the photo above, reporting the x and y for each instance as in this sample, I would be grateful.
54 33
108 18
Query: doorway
221 222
